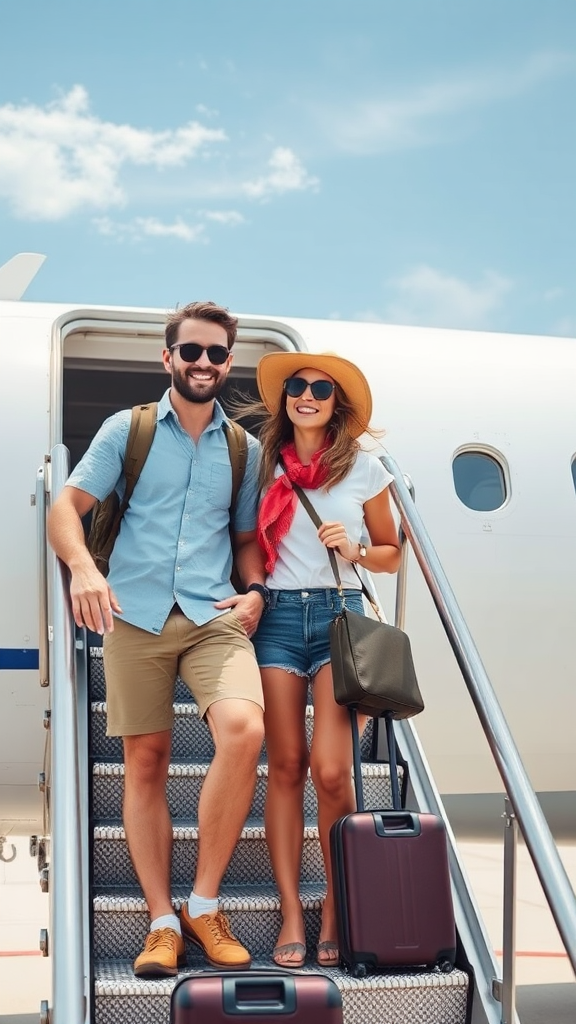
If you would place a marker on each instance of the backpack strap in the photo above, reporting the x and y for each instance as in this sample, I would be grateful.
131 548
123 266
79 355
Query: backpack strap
238 451
140 437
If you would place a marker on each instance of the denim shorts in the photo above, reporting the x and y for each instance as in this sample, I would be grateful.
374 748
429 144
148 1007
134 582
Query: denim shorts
294 633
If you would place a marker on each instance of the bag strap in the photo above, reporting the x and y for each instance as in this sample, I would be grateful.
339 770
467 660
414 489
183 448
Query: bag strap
318 523
238 452
140 437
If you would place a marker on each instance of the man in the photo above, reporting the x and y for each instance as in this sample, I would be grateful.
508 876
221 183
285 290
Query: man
168 607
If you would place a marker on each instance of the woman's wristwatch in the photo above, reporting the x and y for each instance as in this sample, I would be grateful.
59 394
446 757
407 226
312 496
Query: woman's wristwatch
361 552
259 588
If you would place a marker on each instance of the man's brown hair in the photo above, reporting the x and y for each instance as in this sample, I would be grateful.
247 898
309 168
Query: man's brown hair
201 311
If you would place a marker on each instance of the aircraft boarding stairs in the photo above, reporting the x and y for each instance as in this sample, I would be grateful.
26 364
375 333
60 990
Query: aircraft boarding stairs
98 914
248 895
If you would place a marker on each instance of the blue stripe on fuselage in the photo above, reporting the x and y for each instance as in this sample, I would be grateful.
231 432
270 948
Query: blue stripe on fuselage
14 657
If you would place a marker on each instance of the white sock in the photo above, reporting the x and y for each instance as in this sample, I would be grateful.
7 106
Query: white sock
167 921
198 905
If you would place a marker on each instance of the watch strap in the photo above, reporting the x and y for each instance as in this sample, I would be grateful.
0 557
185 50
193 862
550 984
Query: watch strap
259 588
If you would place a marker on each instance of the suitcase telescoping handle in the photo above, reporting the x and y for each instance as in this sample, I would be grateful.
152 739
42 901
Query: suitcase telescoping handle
357 760
251 996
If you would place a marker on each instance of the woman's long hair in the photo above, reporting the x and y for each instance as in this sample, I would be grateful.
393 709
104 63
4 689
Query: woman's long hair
276 430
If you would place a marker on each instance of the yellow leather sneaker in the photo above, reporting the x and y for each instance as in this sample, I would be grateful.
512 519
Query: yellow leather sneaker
164 951
212 933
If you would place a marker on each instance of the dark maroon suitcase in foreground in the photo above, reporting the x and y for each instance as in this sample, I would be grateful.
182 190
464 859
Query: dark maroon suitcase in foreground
391 882
257 997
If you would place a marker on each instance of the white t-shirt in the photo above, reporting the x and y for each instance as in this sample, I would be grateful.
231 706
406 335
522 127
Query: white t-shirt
303 560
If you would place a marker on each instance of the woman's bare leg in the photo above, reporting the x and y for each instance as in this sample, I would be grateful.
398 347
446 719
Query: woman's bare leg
284 720
331 768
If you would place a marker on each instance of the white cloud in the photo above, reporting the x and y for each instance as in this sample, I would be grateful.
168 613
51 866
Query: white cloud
57 159
564 328
178 229
411 120
425 296
231 217
206 111
150 227
287 174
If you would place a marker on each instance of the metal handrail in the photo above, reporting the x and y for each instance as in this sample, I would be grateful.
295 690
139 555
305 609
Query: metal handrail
68 916
533 825
43 645
471 928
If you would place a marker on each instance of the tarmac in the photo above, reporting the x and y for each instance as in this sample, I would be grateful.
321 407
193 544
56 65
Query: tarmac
546 988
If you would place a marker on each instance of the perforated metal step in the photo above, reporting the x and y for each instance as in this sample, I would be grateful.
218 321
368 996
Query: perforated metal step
250 862
425 998
248 895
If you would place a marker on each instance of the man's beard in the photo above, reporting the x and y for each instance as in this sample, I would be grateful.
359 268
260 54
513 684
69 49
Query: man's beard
193 391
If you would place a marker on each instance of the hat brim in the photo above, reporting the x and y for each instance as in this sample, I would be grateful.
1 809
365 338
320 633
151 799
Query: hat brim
275 367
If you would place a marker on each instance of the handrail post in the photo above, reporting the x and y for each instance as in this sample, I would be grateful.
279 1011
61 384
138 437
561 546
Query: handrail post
509 915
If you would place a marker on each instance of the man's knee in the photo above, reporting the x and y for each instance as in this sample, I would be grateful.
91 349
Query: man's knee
237 725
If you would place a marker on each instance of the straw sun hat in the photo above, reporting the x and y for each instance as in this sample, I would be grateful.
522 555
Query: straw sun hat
275 367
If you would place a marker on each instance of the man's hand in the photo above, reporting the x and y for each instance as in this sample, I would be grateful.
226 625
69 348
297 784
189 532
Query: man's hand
248 609
93 601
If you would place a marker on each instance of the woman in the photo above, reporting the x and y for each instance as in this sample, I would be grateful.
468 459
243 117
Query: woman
317 406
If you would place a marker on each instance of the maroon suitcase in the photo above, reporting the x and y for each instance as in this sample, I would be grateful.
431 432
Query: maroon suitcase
262 996
391 882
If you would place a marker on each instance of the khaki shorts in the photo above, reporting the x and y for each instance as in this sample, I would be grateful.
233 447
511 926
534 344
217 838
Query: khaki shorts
216 661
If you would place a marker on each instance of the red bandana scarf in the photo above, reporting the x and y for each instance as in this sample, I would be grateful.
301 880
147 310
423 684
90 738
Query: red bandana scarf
280 501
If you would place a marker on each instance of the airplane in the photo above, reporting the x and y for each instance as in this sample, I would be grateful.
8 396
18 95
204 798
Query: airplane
481 425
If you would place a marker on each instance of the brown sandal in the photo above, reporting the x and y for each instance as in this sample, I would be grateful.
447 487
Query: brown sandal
327 954
290 948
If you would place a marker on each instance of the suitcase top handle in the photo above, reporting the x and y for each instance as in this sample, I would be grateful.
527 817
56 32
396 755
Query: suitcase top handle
393 824
243 996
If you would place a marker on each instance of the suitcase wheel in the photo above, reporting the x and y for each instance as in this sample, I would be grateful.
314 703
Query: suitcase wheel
359 971
445 966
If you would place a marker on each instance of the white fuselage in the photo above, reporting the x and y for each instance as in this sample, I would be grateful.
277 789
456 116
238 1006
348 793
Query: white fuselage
436 393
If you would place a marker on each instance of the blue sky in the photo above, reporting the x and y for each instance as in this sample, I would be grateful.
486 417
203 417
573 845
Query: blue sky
361 159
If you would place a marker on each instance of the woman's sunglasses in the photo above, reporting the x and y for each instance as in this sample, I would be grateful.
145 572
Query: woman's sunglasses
191 351
296 386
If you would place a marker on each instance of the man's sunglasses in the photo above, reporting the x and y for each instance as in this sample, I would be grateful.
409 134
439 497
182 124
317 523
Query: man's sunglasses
296 386
191 351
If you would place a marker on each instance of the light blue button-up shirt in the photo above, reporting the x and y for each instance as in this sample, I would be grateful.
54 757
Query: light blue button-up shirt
174 541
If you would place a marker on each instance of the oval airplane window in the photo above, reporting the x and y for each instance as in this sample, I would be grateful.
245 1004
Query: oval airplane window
479 481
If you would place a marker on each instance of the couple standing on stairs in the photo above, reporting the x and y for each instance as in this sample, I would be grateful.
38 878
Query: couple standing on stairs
168 608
